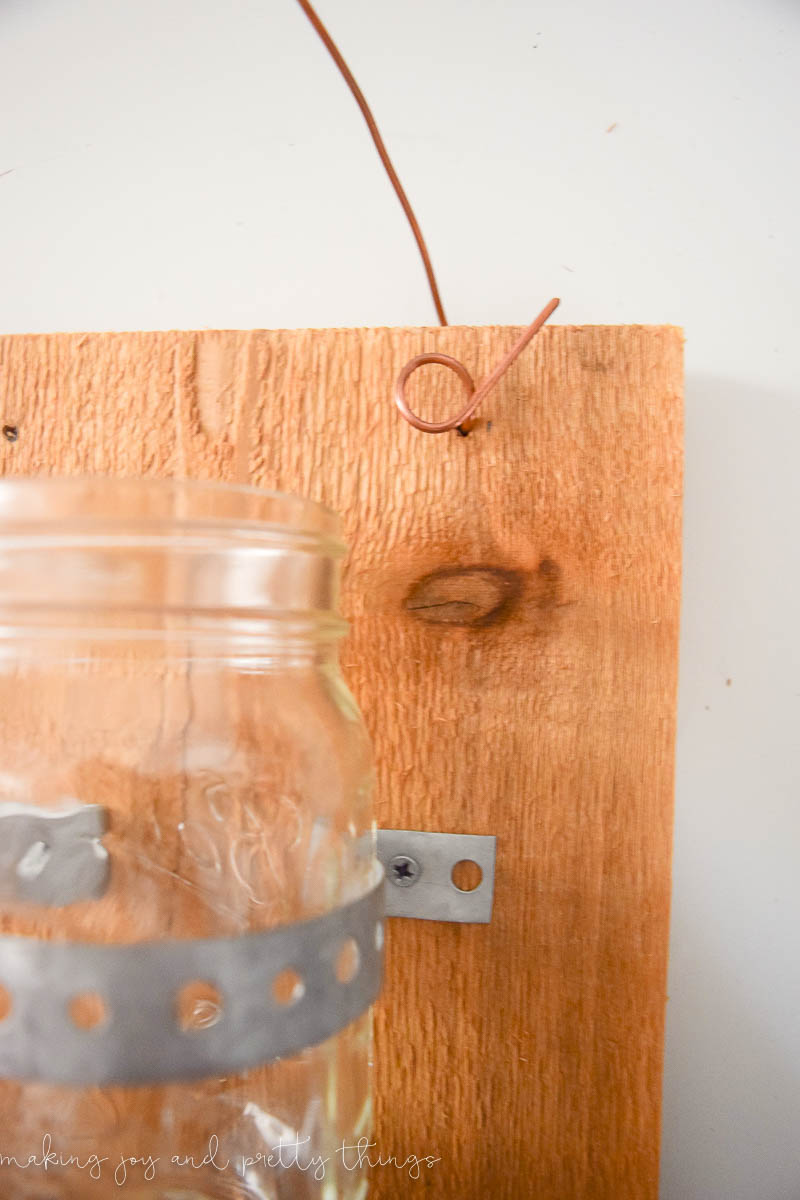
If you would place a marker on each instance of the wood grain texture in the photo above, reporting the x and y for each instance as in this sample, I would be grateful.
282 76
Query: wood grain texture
514 600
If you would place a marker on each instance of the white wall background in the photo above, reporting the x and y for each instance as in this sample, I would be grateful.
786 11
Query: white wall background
191 163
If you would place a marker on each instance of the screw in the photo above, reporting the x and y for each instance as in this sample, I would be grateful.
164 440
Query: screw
404 871
10 433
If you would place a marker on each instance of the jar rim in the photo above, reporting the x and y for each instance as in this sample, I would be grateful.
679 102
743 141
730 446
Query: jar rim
32 500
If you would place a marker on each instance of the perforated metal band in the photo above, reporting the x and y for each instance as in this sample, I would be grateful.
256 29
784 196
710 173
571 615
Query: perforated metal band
141 1040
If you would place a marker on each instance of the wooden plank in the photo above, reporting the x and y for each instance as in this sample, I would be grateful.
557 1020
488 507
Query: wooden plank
514 602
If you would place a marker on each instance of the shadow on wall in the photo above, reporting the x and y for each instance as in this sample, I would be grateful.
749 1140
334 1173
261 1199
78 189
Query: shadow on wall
732 1075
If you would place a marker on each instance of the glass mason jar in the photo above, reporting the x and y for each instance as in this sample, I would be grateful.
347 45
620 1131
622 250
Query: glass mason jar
182 772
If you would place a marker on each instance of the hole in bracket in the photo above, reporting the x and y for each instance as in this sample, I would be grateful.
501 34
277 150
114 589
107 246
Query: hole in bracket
348 961
288 988
87 1010
198 1005
466 875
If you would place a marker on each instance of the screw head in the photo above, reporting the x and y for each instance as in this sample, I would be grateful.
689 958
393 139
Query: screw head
403 871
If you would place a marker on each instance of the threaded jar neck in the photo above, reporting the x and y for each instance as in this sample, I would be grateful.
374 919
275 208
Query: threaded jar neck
157 556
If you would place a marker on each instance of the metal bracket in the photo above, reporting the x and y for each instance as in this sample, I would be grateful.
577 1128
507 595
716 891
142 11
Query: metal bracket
52 856
419 869
139 1037
55 857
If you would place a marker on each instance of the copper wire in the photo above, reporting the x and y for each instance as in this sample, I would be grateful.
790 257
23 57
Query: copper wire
474 395
333 50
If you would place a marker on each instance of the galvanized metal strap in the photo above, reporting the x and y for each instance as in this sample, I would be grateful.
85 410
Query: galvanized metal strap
141 1039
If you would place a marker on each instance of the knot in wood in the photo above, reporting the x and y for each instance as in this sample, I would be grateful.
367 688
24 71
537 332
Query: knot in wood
468 596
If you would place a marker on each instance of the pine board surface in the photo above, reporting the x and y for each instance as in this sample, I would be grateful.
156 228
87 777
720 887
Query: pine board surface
514 599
